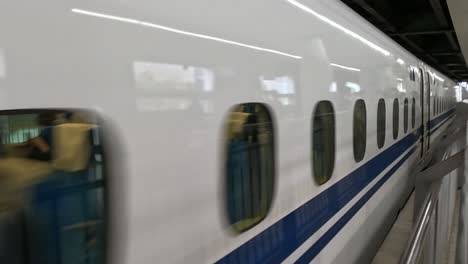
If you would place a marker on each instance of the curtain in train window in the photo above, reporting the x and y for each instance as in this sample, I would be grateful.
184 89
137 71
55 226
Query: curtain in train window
323 141
396 118
359 130
405 115
52 206
249 165
381 123
413 113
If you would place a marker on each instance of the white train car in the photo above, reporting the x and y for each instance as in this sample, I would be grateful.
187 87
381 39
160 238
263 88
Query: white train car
243 131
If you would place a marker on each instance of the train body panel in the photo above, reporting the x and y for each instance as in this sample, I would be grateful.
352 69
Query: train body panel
166 74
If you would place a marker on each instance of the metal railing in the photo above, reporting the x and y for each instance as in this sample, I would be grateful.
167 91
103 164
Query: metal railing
412 253
428 185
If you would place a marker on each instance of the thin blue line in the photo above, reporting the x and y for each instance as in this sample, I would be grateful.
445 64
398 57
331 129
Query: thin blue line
315 249
433 123
441 124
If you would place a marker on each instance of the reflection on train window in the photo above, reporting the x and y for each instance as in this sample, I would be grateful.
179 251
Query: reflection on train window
323 141
52 189
381 123
411 73
413 113
405 116
249 165
396 118
359 130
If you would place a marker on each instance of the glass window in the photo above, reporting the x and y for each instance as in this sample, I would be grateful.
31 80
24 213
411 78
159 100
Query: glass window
323 141
359 130
249 165
405 116
396 118
413 113
54 158
381 123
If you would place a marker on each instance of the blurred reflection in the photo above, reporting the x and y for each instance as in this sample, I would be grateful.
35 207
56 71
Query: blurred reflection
346 87
51 188
400 87
353 87
282 88
159 76
172 87
333 88
249 165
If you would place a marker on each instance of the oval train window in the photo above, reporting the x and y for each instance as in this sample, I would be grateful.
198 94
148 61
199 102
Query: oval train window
249 165
396 118
359 130
413 113
381 123
323 141
405 116
55 159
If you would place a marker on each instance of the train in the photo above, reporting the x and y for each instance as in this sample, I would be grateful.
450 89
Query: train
266 131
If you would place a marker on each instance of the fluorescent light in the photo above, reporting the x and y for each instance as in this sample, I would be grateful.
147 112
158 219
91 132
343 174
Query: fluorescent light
344 67
178 31
400 61
338 26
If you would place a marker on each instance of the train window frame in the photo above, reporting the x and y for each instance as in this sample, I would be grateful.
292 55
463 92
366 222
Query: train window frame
359 130
381 123
323 162
240 147
405 116
396 118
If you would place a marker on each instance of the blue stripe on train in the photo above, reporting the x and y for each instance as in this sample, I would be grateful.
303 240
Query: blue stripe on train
331 233
278 241
445 117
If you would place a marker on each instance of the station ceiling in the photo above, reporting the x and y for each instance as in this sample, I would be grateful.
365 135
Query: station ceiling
424 27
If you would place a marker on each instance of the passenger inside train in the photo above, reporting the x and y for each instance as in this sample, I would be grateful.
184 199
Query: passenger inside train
52 188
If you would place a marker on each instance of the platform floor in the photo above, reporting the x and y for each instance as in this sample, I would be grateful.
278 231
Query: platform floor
394 244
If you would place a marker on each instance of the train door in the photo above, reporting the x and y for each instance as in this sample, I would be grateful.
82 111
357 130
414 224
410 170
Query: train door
424 112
